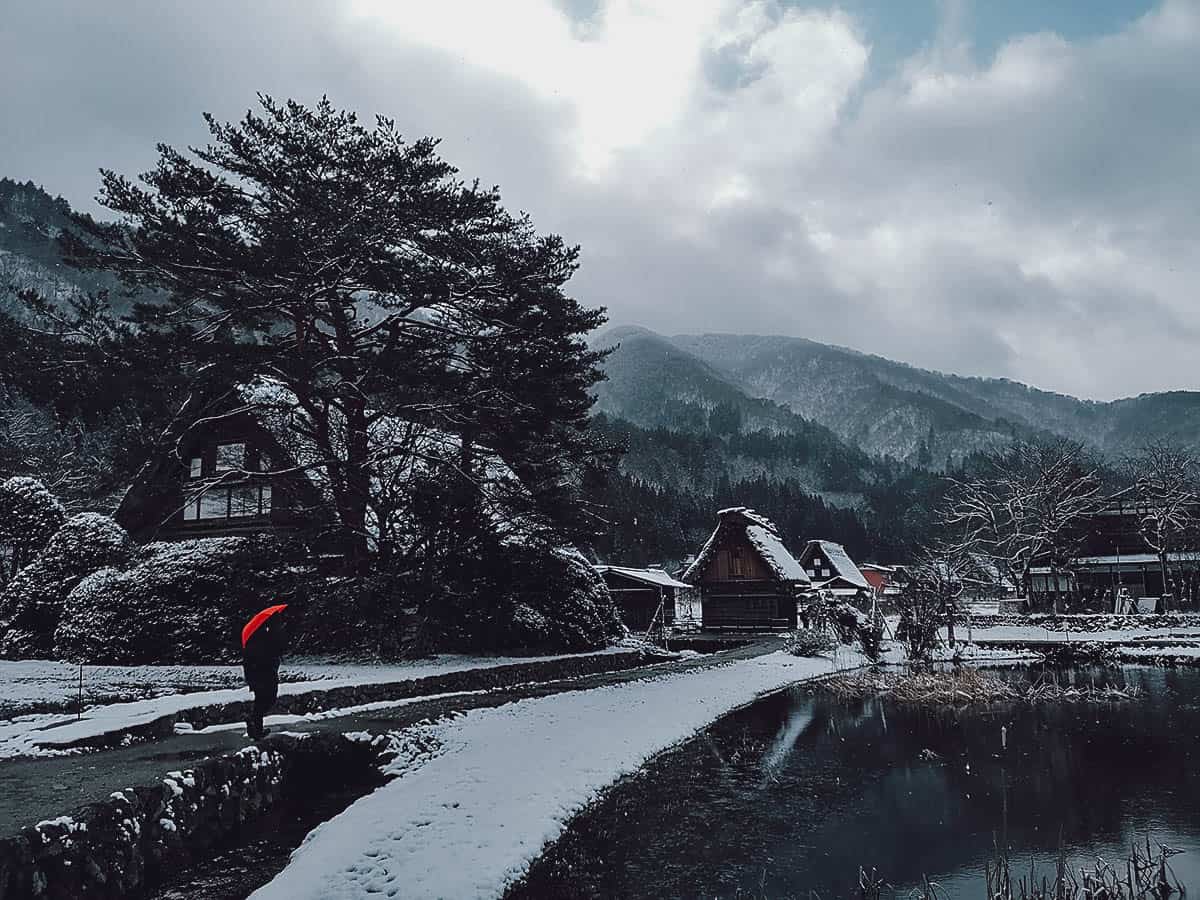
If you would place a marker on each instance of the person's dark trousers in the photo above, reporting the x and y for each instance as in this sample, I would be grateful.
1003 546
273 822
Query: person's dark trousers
265 687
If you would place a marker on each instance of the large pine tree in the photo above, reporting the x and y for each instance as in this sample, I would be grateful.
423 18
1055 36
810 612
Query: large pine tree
358 270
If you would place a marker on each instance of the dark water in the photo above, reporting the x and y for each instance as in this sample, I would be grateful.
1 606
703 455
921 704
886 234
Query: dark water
791 795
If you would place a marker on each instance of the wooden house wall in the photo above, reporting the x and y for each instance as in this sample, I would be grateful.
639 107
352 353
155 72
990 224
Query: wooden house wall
158 512
720 567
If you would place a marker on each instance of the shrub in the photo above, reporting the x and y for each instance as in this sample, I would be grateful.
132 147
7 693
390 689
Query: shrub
29 517
809 642
179 602
367 616
870 637
31 604
529 598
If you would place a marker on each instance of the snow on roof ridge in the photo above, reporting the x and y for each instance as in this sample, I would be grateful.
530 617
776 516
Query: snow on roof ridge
765 539
745 512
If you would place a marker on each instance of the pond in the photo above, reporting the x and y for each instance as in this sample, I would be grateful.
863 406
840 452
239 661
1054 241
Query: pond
790 796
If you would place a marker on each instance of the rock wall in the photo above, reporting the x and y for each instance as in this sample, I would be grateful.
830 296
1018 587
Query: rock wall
122 846
337 698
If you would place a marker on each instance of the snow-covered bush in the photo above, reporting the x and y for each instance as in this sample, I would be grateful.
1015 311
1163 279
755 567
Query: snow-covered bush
182 602
810 642
870 637
558 602
31 603
364 616
532 598
29 517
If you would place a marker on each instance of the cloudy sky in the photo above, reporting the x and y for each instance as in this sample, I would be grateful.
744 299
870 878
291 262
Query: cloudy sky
988 188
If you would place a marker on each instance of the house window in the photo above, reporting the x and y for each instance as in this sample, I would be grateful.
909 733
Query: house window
231 457
736 566
196 467
214 505
243 501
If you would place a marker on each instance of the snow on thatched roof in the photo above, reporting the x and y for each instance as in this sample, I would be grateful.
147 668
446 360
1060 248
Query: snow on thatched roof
762 535
655 577
840 563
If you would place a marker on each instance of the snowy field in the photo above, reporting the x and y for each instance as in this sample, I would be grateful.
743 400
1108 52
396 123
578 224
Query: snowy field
468 821
168 690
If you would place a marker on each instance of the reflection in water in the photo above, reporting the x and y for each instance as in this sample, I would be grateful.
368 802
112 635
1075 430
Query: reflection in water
794 793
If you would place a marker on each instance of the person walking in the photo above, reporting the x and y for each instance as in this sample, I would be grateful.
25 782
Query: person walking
263 641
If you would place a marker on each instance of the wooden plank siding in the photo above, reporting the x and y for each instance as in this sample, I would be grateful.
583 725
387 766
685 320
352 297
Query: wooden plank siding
736 560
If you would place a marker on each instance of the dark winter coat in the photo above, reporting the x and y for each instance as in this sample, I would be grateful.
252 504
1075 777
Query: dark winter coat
261 655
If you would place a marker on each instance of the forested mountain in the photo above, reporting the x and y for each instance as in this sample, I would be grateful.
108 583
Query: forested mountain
916 415
31 220
696 442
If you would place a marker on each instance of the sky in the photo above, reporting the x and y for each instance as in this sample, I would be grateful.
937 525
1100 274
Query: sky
988 188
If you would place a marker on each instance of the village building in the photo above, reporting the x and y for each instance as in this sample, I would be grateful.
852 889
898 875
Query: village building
830 568
650 598
881 579
242 462
220 472
747 578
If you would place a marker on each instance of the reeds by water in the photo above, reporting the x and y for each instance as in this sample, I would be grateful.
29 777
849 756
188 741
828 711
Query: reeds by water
966 686
1144 875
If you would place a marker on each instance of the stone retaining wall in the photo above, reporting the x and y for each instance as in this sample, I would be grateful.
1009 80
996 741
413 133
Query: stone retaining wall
337 698
124 845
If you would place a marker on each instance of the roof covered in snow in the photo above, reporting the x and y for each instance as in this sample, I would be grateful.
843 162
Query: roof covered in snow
655 577
763 537
840 565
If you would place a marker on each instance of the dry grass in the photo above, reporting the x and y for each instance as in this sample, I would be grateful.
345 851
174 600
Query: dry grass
1145 875
965 686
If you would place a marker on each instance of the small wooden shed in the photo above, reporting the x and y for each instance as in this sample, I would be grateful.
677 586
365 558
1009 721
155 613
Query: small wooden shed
645 597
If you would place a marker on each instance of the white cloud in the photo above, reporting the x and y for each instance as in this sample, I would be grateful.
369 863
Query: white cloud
733 165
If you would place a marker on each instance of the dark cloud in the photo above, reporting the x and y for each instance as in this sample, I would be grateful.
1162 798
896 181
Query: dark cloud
725 166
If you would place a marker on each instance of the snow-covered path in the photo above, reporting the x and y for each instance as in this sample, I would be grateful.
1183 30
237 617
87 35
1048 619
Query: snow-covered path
468 822
39 733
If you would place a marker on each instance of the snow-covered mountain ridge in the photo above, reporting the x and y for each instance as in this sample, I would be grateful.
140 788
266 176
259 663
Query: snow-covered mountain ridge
882 407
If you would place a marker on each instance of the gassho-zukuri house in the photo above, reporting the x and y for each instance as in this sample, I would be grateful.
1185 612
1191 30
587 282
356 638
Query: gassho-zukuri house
240 462
747 578
830 568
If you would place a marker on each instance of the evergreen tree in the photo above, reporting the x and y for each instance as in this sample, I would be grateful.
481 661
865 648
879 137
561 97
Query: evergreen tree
358 271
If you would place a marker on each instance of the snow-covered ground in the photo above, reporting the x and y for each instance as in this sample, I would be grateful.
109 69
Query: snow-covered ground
468 821
42 681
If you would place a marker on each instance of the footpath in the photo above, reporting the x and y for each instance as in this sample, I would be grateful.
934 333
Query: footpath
132 816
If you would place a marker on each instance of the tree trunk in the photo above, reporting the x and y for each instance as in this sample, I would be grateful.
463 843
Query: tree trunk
356 487
1166 590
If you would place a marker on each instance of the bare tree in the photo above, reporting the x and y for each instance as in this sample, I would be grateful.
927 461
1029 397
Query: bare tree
929 592
1025 506
1165 480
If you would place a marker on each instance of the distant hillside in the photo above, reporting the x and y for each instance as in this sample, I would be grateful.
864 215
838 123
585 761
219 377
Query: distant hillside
925 417
31 221
655 385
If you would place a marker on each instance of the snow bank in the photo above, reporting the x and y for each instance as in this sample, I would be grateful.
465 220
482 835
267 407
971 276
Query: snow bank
33 734
469 821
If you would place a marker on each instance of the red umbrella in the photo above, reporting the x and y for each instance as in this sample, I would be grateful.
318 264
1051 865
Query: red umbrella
253 625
